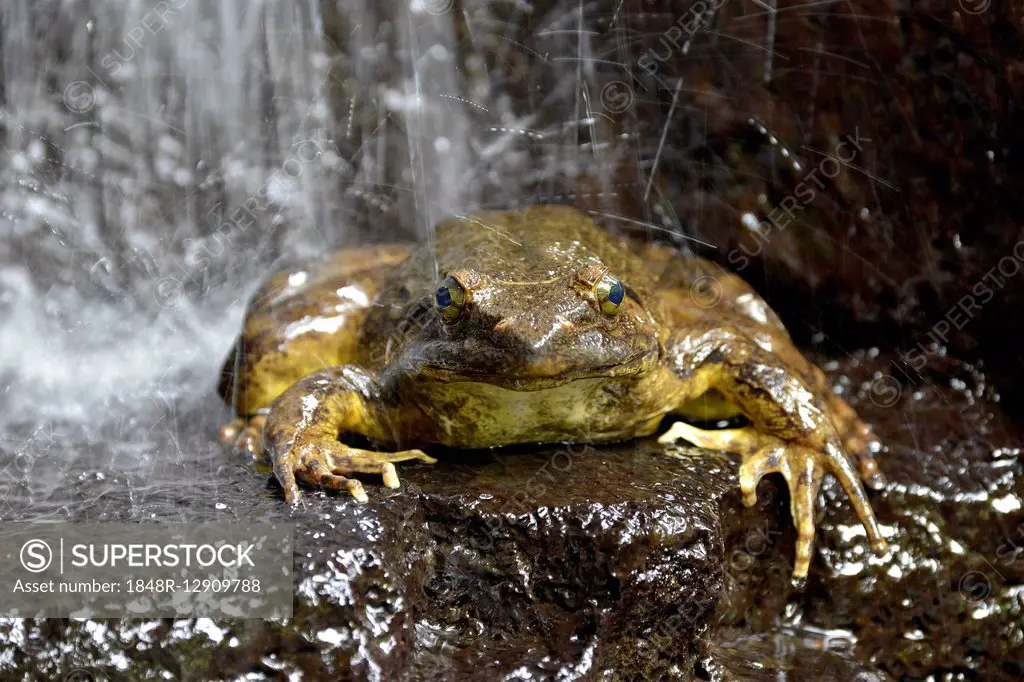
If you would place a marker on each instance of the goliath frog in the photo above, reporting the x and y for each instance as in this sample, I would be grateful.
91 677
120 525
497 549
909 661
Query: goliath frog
532 326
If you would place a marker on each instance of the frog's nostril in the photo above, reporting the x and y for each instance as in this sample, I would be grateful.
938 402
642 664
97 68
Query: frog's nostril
513 330
531 332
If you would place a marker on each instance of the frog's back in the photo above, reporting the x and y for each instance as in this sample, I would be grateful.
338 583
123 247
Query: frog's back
303 319
691 288
536 242
555 240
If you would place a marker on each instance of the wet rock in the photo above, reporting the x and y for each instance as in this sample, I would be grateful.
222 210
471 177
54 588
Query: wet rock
858 162
946 599
630 561
784 655
585 560
530 564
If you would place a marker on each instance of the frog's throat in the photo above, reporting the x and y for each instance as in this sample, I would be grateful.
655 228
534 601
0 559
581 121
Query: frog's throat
634 368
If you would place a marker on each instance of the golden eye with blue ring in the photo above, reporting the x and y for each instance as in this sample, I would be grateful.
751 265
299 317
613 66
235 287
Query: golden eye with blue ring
449 299
610 293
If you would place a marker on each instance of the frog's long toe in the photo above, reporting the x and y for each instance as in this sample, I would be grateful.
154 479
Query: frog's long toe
860 439
328 464
251 438
229 432
869 471
803 468
742 441
244 435
318 474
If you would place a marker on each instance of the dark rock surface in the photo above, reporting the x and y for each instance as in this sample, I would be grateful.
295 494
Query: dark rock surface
631 561
947 599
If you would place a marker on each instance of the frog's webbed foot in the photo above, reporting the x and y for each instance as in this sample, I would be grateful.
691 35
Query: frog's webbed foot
803 467
795 428
244 435
327 463
302 429
746 441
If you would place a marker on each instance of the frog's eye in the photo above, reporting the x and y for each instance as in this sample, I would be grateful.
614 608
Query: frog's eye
449 299
610 293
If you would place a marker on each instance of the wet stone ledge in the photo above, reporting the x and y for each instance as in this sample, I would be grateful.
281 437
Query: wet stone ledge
621 562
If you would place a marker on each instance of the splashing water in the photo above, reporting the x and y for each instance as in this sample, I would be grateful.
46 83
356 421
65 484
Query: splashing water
161 158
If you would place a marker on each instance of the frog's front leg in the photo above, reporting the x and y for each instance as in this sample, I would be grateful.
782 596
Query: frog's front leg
791 431
305 422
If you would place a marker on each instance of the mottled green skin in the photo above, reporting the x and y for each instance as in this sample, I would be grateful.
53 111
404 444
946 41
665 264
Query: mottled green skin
532 357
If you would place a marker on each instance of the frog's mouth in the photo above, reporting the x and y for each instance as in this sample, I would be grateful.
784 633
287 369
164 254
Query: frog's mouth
538 375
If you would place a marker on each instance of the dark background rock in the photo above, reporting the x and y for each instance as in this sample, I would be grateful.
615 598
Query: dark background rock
929 208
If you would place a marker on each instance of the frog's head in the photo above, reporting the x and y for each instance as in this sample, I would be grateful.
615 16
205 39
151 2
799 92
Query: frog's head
528 320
